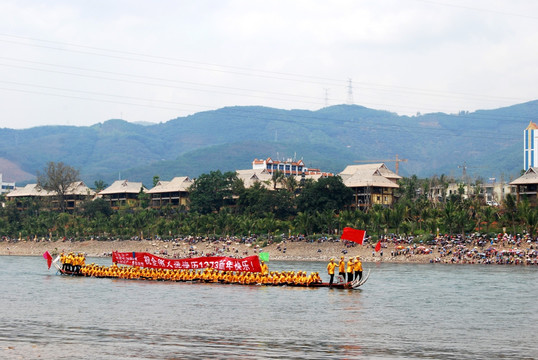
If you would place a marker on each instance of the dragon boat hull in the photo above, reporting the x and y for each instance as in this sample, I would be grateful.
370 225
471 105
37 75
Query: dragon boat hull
340 284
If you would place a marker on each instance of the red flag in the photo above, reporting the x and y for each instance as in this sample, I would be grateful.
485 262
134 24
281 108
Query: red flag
48 257
353 235
378 246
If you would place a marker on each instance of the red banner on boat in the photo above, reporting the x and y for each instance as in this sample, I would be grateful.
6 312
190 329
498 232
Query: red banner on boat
143 259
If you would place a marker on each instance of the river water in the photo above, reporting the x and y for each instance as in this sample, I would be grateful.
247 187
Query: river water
404 311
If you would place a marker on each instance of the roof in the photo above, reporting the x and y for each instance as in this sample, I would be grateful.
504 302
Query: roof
123 187
177 184
369 175
530 177
316 175
29 190
79 188
532 126
371 168
251 176
76 188
361 179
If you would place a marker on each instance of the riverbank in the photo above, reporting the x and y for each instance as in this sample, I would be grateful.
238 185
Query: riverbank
286 250
294 251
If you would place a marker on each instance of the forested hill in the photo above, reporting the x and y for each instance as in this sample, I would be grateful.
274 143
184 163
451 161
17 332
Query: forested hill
489 142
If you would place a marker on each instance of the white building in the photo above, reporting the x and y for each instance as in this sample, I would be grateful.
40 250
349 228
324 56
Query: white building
6 187
530 145
287 167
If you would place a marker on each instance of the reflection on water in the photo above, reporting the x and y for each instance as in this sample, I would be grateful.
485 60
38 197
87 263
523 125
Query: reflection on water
403 311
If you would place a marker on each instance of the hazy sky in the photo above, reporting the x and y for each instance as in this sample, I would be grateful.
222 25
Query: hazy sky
73 62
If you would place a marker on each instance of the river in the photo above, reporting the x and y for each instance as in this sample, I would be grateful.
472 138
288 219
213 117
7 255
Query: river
404 311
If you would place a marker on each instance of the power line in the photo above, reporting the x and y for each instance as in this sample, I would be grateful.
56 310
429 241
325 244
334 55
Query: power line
479 9
248 94
301 119
197 65
246 71
166 80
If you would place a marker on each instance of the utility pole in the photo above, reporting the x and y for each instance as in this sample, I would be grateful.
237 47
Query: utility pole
350 92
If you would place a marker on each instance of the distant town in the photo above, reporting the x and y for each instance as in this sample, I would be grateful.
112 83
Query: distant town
371 184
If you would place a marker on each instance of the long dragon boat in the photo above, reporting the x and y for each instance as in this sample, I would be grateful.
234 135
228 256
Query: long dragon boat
212 269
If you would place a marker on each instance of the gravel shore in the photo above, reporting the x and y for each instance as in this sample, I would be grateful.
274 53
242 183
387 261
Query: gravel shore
295 251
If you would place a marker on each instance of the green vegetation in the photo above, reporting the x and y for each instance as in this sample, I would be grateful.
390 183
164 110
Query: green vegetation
228 139
223 206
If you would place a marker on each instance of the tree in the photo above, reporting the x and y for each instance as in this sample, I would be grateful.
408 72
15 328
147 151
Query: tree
58 178
97 206
510 211
325 194
291 184
277 178
100 185
143 199
156 180
489 214
211 191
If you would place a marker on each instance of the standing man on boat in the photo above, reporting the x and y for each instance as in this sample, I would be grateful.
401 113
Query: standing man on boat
330 270
264 268
342 268
358 268
350 268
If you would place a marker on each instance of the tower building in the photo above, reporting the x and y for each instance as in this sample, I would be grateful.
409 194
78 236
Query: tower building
530 145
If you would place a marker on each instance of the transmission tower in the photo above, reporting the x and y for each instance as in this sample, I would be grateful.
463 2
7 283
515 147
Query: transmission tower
350 92
326 97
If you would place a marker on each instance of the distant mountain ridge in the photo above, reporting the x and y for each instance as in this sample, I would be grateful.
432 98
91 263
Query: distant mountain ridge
488 142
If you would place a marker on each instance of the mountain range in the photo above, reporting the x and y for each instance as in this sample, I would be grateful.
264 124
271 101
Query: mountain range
485 143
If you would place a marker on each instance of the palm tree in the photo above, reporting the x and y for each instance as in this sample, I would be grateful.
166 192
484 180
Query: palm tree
290 183
327 219
348 218
277 178
303 223
510 211
449 216
528 216
398 215
489 214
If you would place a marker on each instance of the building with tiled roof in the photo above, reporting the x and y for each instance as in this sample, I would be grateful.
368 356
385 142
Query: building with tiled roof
371 184
527 186
122 193
76 194
252 176
174 192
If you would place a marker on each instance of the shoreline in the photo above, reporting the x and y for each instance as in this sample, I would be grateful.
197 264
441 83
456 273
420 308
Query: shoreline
286 250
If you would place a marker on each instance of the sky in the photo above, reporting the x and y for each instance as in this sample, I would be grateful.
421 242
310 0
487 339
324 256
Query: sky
75 62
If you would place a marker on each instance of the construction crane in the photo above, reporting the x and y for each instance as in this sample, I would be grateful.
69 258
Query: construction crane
396 160
464 168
